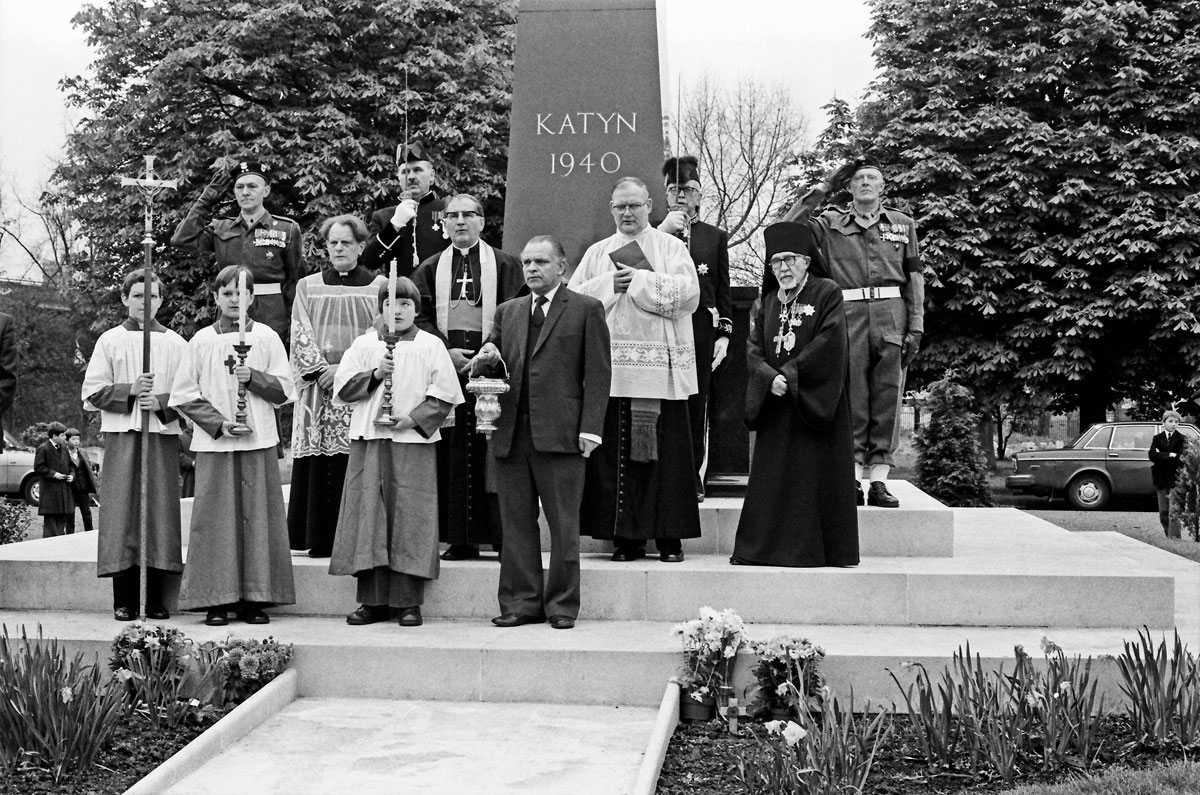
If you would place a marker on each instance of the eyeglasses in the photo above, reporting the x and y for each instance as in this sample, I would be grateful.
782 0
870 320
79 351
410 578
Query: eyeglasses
455 214
691 193
789 260
631 207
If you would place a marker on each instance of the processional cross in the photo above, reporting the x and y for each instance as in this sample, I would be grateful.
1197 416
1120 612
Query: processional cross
149 185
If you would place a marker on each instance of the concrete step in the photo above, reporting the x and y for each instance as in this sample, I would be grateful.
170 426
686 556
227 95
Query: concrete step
602 663
1009 569
317 746
920 527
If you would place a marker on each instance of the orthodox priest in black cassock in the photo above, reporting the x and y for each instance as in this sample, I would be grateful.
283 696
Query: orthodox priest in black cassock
800 506
460 290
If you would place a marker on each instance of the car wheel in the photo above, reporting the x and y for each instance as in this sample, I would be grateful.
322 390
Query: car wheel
32 491
1088 492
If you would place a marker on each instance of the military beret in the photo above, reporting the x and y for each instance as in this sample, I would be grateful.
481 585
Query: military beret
414 152
248 167
681 170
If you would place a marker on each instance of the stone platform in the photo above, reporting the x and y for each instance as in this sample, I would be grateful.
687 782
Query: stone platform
1014 579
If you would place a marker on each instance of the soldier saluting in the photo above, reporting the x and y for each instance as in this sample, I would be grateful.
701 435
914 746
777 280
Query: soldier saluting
265 244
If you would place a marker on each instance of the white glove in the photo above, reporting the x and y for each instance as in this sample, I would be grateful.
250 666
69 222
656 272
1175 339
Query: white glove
405 212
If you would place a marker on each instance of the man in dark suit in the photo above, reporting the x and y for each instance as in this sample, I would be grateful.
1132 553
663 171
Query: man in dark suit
392 228
712 322
1166 455
555 344
8 369
52 463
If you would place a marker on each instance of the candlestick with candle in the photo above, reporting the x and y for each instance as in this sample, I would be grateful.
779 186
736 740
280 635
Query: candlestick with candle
242 349
390 338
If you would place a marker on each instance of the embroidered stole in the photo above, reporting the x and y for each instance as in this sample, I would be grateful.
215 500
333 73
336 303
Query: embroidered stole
487 287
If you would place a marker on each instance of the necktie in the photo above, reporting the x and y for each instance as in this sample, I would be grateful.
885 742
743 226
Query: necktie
535 322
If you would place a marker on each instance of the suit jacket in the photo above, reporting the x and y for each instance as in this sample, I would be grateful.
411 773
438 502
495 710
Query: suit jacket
56 494
570 371
1162 466
8 368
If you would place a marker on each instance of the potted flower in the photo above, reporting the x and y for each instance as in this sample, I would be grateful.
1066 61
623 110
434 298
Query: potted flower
789 677
710 646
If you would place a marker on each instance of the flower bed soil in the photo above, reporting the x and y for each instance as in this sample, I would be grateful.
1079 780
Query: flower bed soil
702 760
136 749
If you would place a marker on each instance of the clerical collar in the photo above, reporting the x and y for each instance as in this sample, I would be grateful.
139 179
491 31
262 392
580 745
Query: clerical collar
355 277
466 252
226 326
129 324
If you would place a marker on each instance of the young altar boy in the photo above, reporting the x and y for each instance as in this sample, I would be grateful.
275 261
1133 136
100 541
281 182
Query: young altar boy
238 558
118 386
387 533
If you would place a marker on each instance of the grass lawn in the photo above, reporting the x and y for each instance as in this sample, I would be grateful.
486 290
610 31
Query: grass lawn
1176 777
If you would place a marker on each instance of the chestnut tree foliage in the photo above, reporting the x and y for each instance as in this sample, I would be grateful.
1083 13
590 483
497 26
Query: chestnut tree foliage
316 89
1049 152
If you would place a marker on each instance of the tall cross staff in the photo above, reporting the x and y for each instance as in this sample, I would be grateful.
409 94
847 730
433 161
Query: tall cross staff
149 185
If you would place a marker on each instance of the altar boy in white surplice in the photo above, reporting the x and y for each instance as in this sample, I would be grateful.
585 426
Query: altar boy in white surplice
387 534
238 558
117 386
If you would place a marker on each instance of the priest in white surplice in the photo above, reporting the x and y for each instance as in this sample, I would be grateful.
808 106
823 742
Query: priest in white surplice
640 482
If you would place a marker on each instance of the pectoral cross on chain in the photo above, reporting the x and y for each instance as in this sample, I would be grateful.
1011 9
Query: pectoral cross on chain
780 336
464 281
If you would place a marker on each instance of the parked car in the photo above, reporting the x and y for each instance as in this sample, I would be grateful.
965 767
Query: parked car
16 471
1108 458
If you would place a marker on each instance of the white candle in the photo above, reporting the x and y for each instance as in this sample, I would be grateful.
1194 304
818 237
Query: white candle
392 298
241 307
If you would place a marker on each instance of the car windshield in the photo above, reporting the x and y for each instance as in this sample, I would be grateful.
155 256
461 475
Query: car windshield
13 443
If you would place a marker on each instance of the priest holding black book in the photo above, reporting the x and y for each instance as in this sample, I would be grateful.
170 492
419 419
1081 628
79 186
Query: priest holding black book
641 482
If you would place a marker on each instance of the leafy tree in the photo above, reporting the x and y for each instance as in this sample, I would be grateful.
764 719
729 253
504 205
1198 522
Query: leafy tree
745 137
1049 151
313 88
950 465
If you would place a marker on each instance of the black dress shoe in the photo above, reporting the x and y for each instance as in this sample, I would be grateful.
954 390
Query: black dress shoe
671 557
410 617
123 614
369 614
859 500
461 552
157 613
516 620
216 618
562 622
253 615
626 554
879 496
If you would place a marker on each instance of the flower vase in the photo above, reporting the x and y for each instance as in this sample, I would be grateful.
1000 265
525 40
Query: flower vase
724 680
692 710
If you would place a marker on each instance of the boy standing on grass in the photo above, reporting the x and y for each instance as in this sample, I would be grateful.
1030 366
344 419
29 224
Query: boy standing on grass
116 386
238 558
387 534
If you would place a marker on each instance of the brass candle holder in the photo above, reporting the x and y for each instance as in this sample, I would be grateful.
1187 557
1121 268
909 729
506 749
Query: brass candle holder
240 426
390 338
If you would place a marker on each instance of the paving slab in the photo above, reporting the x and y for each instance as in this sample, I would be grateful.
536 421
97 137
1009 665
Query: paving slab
317 746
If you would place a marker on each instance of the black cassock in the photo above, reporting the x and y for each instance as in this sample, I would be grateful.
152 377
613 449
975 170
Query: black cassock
800 505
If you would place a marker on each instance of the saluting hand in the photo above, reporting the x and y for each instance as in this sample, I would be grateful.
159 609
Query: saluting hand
840 177
622 278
